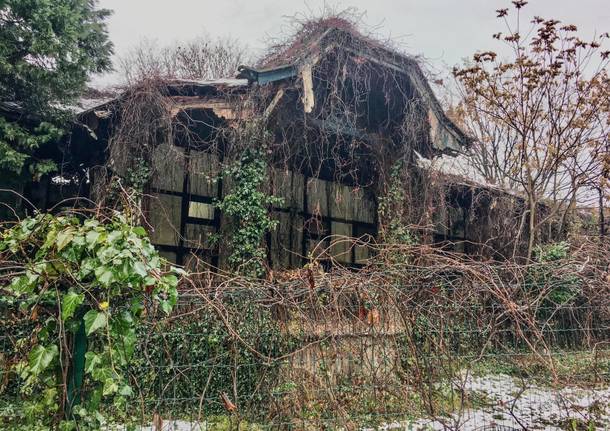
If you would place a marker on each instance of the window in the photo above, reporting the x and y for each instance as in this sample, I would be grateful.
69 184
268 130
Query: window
201 210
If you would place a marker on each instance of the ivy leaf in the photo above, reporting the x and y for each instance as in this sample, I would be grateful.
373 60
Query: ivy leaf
91 223
92 237
49 396
104 275
139 230
126 391
101 374
171 280
137 306
24 284
63 238
95 398
113 236
172 298
140 269
70 303
41 357
110 387
166 306
94 320
92 361
129 343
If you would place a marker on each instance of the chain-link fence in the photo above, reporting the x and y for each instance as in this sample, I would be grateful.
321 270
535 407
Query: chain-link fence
433 347
436 345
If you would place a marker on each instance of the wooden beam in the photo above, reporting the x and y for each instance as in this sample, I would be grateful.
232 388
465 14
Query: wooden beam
308 97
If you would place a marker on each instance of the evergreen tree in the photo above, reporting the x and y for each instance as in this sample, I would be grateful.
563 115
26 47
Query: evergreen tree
48 50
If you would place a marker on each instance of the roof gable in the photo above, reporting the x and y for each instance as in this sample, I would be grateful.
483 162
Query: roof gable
306 50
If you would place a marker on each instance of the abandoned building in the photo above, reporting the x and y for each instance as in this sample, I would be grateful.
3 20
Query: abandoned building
339 111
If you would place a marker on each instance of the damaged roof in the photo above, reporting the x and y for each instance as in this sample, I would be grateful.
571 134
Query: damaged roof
320 37
295 59
88 104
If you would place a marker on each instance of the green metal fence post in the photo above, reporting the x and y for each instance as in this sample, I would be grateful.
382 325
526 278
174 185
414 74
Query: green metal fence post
77 368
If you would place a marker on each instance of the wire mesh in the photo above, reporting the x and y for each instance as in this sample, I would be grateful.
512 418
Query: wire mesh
435 348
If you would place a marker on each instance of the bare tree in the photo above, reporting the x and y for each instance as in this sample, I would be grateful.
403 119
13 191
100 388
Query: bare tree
200 58
541 118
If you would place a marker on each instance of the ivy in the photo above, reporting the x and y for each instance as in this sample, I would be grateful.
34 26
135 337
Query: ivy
125 192
138 175
558 290
68 277
391 207
247 205
202 337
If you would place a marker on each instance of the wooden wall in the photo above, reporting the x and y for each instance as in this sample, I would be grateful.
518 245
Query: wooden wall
315 218
180 207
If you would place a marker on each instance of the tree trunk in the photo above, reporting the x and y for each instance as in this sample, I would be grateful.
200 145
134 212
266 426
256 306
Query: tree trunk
602 220
532 226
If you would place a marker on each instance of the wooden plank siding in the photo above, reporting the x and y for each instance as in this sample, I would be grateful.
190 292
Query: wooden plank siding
316 216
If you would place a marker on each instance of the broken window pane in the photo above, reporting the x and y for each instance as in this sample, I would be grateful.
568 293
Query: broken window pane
201 210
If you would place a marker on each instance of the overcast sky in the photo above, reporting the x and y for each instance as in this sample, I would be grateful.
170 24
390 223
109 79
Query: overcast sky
442 31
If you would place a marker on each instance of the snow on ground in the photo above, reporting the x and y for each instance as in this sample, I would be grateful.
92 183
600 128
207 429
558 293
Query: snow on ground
532 406
535 407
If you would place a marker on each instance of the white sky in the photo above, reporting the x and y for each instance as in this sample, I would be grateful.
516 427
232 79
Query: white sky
442 31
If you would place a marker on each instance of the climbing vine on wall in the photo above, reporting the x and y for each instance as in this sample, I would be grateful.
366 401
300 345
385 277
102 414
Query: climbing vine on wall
247 204
80 286
394 229
391 206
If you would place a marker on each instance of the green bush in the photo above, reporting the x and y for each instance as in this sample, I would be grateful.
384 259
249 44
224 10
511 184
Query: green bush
183 365
74 292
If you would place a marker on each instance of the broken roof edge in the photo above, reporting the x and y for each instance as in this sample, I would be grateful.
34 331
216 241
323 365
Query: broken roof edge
423 87
231 83
212 83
